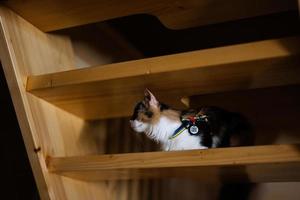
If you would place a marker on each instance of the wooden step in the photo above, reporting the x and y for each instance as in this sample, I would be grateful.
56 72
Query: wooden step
49 15
112 90
255 164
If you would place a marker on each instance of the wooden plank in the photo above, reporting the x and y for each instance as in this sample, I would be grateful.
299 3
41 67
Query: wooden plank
13 29
96 45
49 15
101 92
256 164
46 130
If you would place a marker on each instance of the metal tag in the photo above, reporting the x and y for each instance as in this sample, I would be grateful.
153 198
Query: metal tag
193 130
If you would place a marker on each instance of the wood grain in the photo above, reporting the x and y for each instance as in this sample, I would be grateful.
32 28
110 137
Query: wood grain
101 92
24 51
207 164
51 15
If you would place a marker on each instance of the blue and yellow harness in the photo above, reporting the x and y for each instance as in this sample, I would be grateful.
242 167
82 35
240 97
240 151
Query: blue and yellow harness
193 124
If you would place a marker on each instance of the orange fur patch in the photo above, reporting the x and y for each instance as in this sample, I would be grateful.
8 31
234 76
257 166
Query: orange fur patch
171 114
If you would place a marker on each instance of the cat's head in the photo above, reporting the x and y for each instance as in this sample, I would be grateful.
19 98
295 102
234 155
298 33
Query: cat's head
146 113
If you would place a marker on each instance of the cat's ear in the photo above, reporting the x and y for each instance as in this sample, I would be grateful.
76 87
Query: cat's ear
150 99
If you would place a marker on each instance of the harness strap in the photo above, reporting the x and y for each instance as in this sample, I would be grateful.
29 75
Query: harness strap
186 122
178 131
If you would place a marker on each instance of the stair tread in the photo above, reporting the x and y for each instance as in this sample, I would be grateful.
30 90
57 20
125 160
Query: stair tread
112 90
255 163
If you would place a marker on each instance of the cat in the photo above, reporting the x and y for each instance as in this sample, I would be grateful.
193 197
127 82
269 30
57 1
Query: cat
208 127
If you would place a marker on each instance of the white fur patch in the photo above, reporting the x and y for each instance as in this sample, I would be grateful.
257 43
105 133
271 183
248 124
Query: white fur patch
163 129
139 126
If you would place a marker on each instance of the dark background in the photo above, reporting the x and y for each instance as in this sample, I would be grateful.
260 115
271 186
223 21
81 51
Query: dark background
16 177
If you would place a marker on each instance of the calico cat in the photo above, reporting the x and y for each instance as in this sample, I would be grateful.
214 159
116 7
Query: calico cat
208 127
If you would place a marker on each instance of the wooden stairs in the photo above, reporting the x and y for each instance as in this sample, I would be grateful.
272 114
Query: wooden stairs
62 108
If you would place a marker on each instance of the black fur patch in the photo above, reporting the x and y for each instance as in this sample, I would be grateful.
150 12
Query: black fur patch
138 108
224 125
149 114
163 107
141 108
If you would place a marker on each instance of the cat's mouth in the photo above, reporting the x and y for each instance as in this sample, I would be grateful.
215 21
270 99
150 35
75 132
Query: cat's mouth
136 126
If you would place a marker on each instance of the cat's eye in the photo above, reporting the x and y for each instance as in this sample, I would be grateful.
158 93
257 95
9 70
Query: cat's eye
149 114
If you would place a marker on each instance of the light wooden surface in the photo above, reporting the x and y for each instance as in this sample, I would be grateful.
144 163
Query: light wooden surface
46 130
51 15
112 90
99 44
257 164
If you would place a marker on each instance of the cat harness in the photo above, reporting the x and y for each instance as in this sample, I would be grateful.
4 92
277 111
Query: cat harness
194 124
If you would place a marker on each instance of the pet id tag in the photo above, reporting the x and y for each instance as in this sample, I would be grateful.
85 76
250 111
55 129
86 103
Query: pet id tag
193 130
